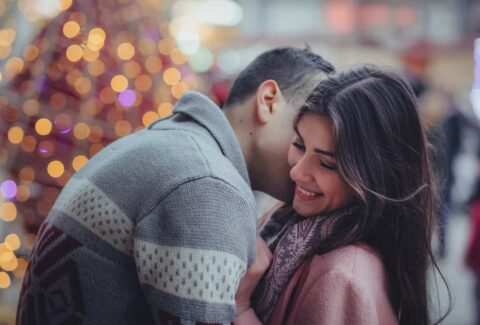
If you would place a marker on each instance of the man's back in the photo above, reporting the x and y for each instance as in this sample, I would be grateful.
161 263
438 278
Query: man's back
159 224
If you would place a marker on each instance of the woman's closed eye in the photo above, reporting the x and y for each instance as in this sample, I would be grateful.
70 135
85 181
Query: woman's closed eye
328 166
298 145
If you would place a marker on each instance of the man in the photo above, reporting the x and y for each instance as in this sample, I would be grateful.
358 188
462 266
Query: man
160 225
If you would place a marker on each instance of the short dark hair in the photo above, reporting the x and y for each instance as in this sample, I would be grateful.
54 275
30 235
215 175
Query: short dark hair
296 71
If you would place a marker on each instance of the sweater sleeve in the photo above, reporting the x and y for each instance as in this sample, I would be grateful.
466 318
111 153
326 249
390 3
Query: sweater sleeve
192 250
337 298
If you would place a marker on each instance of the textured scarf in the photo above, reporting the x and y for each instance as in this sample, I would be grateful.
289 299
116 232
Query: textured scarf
292 239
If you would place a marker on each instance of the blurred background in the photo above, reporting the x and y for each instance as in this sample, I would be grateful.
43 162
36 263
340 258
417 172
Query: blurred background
76 75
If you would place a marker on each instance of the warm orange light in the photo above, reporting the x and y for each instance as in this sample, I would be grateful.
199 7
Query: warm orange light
153 64
119 83
55 169
30 53
43 126
74 53
149 117
26 174
15 134
11 264
96 134
178 57
166 45
123 128
125 51
132 69
107 95
31 107
64 4
81 131
71 29
165 109
7 36
143 82
8 211
29 143
78 162
4 280
90 55
12 241
14 66
179 89
83 85
96 38
23 193
171 76
96 68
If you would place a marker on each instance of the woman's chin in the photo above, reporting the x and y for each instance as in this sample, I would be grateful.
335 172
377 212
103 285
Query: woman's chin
303 210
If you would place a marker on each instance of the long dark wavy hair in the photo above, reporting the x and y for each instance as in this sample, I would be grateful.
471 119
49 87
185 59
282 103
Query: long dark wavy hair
383 155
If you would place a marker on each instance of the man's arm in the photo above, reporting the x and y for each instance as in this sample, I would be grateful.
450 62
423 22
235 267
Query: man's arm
193 248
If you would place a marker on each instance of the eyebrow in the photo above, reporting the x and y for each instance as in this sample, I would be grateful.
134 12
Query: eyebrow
316 150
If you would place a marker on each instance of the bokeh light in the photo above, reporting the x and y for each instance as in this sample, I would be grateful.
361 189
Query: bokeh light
125 51
78 162
15 135
8 189
171 76
71 29
119 83
12 241
4 280
123 128
74 52
55 169
81 131
127 98
149 118
165 109
43 126
8 211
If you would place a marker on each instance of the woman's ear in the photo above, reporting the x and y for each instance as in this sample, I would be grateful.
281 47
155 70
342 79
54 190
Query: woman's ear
267 94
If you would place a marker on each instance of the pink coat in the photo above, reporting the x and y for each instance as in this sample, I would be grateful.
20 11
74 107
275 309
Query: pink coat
472 257
345 286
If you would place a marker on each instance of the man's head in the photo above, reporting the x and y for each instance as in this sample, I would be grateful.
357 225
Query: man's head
262 105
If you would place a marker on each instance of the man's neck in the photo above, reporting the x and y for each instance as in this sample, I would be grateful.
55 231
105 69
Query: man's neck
244 131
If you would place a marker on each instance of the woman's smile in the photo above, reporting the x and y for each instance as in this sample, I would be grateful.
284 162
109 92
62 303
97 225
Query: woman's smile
306 195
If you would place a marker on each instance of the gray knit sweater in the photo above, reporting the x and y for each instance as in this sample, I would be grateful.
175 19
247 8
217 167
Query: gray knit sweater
158 227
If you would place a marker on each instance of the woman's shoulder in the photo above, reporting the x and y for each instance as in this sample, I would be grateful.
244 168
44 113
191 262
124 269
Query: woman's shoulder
347 285
353 262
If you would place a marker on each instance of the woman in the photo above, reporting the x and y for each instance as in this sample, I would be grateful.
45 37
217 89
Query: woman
356 247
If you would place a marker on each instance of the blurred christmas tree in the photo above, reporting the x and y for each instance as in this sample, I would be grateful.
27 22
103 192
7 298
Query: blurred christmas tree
96 71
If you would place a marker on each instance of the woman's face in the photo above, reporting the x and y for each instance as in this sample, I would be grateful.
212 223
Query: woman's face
319 188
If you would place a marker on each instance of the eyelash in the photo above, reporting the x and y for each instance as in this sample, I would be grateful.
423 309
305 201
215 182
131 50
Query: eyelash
302 148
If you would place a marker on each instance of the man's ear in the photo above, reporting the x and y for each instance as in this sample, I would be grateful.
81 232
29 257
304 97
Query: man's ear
267 94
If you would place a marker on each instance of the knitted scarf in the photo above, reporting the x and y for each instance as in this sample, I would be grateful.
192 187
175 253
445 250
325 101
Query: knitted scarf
292 239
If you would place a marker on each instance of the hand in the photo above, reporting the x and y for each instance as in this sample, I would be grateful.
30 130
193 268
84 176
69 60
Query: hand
263 259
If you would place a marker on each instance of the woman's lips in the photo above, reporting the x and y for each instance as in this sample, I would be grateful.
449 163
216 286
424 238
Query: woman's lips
305 194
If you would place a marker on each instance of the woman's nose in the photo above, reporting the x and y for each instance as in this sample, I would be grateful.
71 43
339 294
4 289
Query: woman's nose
300 171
